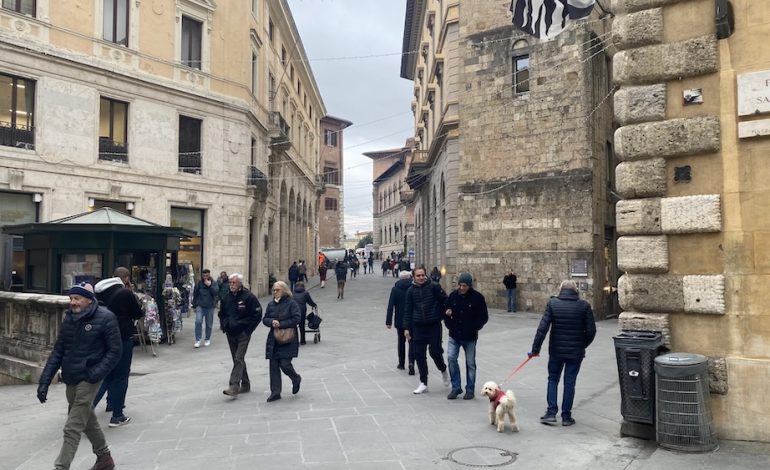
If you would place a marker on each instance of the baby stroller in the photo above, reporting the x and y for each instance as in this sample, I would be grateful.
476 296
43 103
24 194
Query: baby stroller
314 324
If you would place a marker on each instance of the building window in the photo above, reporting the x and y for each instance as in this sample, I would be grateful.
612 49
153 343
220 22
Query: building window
25 7
191 248
521 74
17 107
113 127
284 60
270 29
190 145
254 6
254 73
331 175
330 204
15 208
115 21
191 42
330 137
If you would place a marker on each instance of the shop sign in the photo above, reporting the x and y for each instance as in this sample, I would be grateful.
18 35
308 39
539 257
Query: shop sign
754 93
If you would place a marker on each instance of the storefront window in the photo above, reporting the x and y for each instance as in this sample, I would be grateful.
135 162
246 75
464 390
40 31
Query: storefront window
143 266
77 268
15 208
37 270
190 250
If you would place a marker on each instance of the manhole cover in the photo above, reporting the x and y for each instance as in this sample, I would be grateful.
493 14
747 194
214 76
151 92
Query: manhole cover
481 457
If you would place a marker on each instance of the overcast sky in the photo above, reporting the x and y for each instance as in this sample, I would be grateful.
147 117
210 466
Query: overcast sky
367 91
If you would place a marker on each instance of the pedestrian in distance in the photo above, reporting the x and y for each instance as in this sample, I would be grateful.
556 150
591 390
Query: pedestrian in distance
424 309
435 275
223 283
509 281
205 294
115 293
87 348
302 271
281 312
371 262
385 267
341 272
239 315
293 274
303 299
395 316
322 269
466 315
571 322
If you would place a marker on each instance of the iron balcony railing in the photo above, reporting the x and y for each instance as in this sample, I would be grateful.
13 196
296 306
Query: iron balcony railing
17 136
190 162
112 150
255 178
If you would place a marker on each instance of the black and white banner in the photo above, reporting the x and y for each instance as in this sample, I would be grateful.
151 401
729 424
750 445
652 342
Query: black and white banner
548 18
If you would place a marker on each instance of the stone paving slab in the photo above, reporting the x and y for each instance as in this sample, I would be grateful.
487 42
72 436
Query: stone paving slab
355 410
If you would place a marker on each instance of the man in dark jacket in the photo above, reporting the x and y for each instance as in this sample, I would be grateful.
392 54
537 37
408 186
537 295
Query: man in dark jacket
509 281
115 294
293 274
303 299
572 326
204 301
395 313
466 314
423 312
239 315
341 272
87 349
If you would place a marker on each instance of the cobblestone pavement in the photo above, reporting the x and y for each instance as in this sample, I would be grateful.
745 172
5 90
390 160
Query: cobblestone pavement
355 410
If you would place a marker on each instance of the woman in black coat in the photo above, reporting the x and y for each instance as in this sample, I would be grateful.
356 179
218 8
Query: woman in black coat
281 312
303 299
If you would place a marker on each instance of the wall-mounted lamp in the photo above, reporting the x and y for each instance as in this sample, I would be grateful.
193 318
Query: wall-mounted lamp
130 206
91 202
37 197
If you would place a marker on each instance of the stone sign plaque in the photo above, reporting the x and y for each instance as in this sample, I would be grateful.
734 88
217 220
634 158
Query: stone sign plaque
754 93
753 128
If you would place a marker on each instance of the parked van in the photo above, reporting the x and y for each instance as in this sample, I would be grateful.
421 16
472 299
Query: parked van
333 255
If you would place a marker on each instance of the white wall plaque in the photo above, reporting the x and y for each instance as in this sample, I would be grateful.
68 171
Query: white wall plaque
754 93
753 128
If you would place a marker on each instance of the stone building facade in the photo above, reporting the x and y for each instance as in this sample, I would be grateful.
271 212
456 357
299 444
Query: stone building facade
513 151
190 112
393 224
693 107
331 220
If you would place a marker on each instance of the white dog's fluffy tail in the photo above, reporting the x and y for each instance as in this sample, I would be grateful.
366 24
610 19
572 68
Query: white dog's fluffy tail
511 396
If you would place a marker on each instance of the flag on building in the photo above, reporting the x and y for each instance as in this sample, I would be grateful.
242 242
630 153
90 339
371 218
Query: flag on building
548 18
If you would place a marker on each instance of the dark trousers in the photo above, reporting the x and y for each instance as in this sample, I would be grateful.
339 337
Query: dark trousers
402 348
276 367
571 368
302 324
427 338
116 382
238 346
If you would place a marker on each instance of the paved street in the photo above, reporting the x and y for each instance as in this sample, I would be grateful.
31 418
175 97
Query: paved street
355 409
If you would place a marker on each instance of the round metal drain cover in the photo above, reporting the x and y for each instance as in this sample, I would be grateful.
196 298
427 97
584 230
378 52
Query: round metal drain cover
481 457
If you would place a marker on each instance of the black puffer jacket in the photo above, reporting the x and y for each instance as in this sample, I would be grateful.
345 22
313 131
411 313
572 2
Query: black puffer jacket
571 321
303 299
397 303
120 301
469 315
87 349
287 313
341 270
424 304
239 312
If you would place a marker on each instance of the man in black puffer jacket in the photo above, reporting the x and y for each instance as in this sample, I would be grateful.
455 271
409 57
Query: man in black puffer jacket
87 349
423 312
571 321
395 314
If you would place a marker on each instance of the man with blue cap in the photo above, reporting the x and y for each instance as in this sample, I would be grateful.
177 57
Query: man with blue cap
87 349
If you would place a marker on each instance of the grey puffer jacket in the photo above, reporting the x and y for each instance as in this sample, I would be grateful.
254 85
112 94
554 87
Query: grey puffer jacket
87 349
571 321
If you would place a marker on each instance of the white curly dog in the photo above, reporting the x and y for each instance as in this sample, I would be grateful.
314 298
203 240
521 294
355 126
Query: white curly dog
500 404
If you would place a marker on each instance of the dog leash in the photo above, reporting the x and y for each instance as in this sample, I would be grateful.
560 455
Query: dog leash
518 368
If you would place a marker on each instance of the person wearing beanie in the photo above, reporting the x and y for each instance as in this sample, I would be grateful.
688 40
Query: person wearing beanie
465 315
87 349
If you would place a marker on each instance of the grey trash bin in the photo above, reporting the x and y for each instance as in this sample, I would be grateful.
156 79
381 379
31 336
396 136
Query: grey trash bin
635 352
683 417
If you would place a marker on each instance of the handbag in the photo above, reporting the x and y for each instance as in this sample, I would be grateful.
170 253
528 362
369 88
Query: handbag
284 335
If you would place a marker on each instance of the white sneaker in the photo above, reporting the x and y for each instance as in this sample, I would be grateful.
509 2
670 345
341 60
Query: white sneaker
445 376
207 343
197 344
422 388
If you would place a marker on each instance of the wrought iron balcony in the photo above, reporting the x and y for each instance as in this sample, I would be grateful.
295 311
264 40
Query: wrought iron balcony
280 132
190 162
256 179
17 136
113 151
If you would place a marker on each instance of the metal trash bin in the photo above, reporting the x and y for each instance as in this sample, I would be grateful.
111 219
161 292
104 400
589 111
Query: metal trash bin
683 417
635 352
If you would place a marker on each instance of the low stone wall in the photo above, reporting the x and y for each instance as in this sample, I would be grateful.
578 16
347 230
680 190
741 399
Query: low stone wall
29 325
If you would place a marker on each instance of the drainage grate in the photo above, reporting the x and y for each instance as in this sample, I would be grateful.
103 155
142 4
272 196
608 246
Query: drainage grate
481 457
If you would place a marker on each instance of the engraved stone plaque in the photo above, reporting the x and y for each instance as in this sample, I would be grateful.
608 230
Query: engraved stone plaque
754 93
753 128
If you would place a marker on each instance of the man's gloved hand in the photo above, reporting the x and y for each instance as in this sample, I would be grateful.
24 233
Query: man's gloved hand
42 392
533 354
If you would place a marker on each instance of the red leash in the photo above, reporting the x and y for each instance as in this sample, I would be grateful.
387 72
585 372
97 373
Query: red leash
516 370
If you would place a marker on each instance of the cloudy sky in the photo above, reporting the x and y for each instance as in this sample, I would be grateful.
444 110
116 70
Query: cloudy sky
354 50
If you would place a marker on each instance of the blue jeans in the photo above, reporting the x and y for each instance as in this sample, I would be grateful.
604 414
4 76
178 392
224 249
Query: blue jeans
511 300
470 364
116 382
571 368
200 312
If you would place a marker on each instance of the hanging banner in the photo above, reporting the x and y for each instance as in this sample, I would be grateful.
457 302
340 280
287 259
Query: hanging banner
548 18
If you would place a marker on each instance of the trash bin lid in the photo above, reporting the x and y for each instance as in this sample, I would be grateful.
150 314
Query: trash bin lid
681 359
